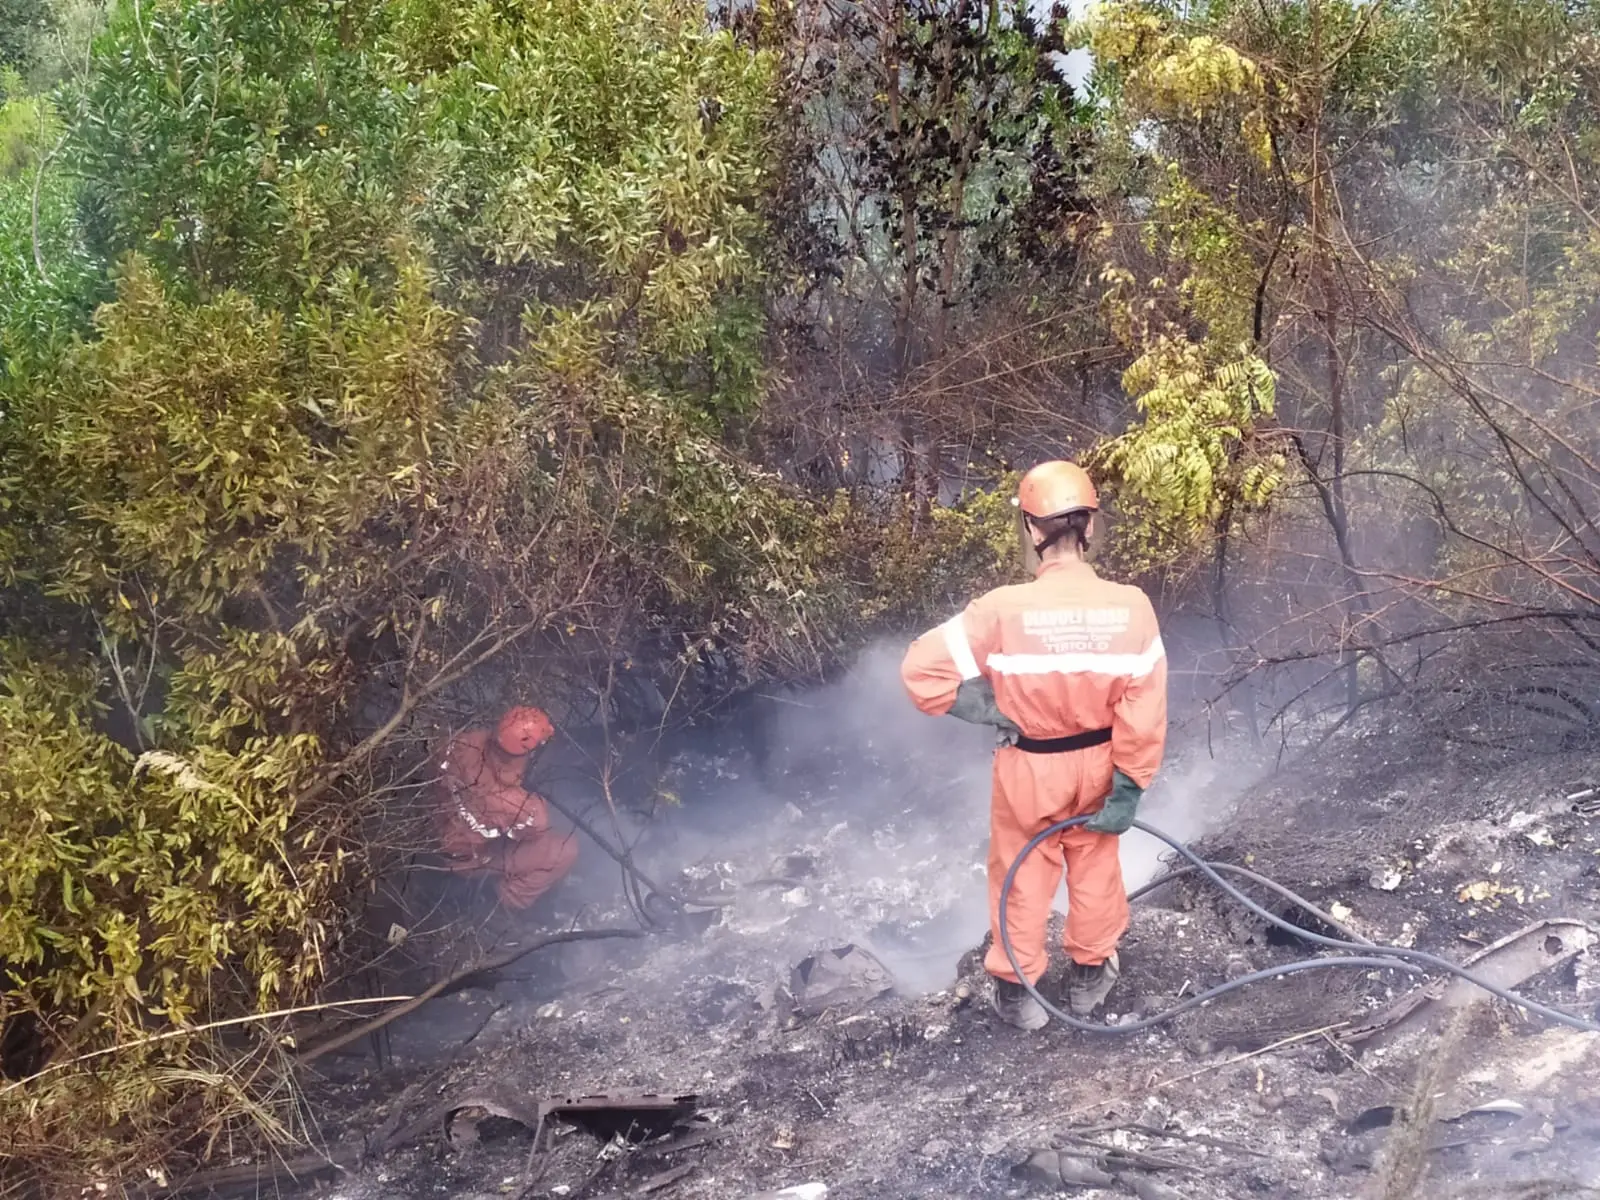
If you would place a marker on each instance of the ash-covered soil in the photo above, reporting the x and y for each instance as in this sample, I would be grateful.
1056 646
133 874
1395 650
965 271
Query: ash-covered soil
866 829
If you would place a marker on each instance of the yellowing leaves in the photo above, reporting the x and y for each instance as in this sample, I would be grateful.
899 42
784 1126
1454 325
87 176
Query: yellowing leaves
1194 75
1170 75
1182 459
1490 893
1257 133
596 156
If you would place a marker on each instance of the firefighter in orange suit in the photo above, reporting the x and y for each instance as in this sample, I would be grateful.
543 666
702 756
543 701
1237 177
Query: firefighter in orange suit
490 823
1071 669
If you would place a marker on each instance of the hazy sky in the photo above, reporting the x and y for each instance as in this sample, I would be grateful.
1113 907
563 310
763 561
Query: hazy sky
1074 66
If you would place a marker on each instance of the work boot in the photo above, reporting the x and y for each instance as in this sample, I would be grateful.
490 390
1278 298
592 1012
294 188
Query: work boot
1088 986
1015 1005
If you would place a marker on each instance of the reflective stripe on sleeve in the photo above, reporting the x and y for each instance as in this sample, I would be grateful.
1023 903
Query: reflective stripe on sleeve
477 826
489 831
1085 662
960 649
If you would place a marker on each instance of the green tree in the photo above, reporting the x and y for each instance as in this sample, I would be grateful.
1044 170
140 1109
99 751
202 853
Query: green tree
22 24
924 224
419 324
1384 205
599 176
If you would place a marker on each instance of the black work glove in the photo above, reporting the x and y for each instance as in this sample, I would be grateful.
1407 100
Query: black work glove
975 703
1122 805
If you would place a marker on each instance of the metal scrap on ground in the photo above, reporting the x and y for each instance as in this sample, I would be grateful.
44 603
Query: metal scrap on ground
1513 960
633 1117
844 977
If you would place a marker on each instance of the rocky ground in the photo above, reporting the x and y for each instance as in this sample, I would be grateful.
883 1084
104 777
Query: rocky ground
864 830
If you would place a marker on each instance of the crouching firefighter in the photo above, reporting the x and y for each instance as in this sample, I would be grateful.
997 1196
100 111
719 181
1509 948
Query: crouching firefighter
1071 670
489 823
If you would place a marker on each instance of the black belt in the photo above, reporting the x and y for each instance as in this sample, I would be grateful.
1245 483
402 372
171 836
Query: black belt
1076 741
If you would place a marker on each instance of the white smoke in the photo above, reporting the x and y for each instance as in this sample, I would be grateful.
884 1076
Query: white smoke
888 806
866 721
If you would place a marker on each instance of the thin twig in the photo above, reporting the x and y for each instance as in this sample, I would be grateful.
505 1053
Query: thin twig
190 1030
413 1003
1177 1135
1239 1058
38 183
625 860
1348 1057
532 1178
298 1170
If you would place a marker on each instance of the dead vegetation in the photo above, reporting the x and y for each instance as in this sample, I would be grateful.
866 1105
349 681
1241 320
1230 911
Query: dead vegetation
1320 1086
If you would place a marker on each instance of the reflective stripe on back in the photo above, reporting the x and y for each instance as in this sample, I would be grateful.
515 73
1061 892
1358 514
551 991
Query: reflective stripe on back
1083 662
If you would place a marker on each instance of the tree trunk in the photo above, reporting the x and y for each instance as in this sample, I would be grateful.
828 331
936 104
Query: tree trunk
1326 293
904 157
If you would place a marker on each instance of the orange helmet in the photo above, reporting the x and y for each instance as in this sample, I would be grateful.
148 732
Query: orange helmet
522 729
1054 489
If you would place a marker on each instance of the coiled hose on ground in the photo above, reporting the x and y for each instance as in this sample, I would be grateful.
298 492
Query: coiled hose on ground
1366 954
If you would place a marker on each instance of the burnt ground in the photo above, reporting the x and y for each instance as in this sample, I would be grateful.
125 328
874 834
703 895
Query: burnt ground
864 832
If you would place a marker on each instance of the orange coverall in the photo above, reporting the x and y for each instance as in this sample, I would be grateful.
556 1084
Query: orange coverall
489 823
1067 653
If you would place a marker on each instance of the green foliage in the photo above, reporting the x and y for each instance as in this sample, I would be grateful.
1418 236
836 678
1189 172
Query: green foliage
176 481
358 345
130 889
1180 458
202 441
1181 299
965 104
1381 218
23 24
586 172
936 139
1189 458
614 154
22 122
41 310
961 549
421 322
1207 242
1159 72
261 146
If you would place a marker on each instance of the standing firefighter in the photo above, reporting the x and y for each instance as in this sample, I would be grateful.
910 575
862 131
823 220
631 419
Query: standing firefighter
1071 669
488 822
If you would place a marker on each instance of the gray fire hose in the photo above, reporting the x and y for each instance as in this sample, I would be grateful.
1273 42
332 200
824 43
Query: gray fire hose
1364 956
